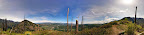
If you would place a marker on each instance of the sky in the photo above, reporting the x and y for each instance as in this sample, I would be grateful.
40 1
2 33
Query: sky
55 11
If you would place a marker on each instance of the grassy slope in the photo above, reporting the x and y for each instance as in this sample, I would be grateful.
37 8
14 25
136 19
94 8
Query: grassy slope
112 28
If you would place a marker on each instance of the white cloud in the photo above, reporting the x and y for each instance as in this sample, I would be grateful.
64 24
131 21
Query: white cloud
113 10
106 20
15 11
38 19
110 10
53 11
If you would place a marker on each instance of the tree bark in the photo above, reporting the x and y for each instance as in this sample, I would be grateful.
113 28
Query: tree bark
67 20
135 14
76 26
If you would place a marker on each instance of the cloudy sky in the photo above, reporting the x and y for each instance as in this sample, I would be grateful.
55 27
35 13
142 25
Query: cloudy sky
93 11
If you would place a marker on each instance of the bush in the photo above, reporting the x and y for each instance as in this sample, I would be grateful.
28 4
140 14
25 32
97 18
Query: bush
130 31
132 28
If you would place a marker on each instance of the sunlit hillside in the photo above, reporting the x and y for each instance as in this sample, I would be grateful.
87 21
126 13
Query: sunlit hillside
123 27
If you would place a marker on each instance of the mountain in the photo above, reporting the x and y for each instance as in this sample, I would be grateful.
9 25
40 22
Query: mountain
125 26
119 27
26 26
139 20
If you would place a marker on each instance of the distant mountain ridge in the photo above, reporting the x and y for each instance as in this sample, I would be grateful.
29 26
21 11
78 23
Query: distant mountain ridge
139 20
124 26
18 26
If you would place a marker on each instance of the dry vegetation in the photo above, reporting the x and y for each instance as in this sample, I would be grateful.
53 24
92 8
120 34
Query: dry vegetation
112 28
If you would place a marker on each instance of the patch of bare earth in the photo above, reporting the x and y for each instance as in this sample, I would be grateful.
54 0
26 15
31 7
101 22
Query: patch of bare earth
115 30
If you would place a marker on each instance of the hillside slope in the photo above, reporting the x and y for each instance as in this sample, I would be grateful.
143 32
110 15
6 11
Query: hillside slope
26 26
9 23
114 28
139 20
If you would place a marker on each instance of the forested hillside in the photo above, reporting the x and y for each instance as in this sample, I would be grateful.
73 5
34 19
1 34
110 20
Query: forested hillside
10 23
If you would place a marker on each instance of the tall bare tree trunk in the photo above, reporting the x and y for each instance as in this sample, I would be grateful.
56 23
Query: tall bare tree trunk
5 24
38 27
76 26
82 26
135 14
71 24
67 20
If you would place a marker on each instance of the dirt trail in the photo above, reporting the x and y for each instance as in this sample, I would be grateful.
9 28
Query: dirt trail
141 33
115 30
